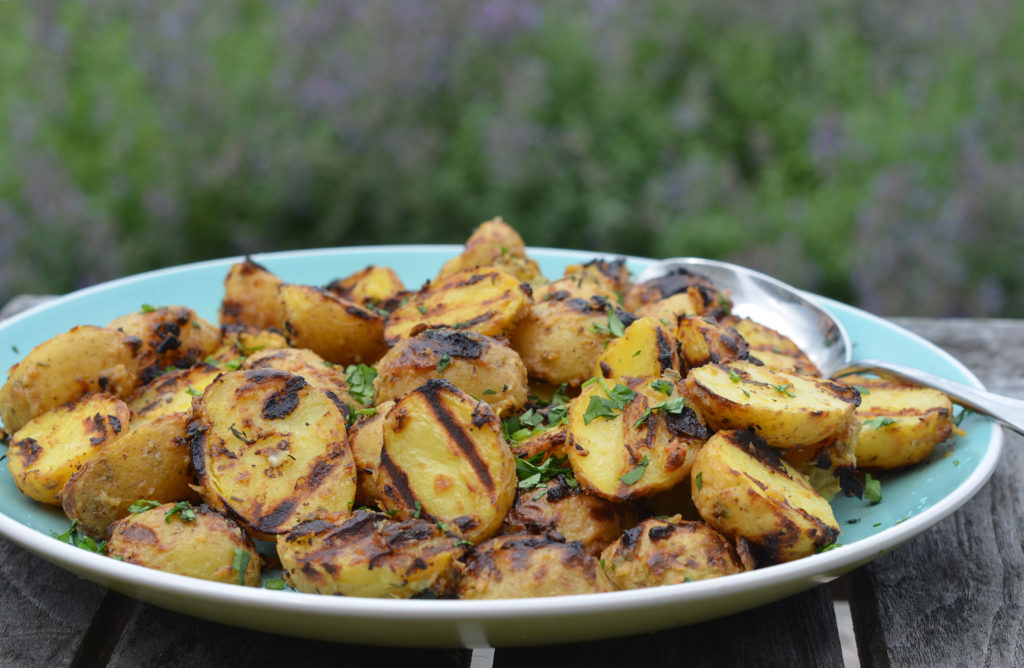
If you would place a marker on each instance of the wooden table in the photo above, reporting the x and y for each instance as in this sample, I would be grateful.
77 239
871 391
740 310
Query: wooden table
952 596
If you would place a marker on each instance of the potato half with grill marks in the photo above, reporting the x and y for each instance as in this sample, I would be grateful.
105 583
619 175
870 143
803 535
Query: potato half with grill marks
646 348
336 329
900 424
210 546
478 365
445 459
670 551
318 372
270 450
613 274
528 566
147 462
773 348
172 392
704 299
487 301
572 512
171 336
51 447
240 341
495 244
250 297
84 360
786 410
634 439
373 287
561 340
366 438
743 489
368 554
702 340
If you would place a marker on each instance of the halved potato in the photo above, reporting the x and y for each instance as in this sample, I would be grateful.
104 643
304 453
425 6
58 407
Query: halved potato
787 410
172 336
669 551
705 299
171 393
336 329
51 447
702 340
478 365
487 301
368 554
209 546
612 274
366 438
372 287
646 348
743 489
270 449
776 350
241 341
82 361
445 459
250 297
148 462
900 424
495 244
318 372
670 310
529 566
633 438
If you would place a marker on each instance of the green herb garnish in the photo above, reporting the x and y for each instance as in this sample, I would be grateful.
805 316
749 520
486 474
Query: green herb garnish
873 489
274 583
193 391
360 382
634 476
75 537
609 407
699 480
240 563
241 435
443 362
879 422
536 471
184 511
783 389
614 326
148 308
142 505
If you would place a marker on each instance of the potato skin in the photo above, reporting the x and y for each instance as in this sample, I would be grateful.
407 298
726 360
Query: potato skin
703 340
148 462
170 335
368 554
250 297
528 566
774 349
743 489
702 295
270 450
669 551
478 365
51 447
172 392
318 372
572 512
445 459
202 548
366 438
84 360
495 244
336 329
372 287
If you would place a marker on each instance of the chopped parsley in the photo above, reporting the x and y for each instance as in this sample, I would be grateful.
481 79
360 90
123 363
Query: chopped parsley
417 511
633 477
240 563
360 382
536 471
873 489
663 386
675 405
184 511
241 435
699 480
783 389
879 422
422 309
75 537
828 548
274 583
614 326
488 391
734 377
443 362
609 407
142 505
193 391
861 389
14 349
147 308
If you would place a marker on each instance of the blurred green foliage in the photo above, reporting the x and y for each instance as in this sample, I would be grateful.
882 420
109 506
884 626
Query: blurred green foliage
870 151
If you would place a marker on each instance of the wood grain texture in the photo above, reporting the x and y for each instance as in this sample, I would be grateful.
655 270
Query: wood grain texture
797 631
955 594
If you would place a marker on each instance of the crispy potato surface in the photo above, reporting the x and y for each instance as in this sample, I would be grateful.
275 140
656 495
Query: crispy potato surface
776 350
372 287
188 541
703 299
51 447
495 244
702 340
646 348
250 297
318 372
171 336
338 330
172 392
366 438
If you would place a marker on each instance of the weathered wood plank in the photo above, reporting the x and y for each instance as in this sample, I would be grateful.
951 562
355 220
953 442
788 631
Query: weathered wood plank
955 594
797 631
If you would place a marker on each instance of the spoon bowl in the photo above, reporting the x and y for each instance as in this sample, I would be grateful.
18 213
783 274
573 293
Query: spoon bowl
821 336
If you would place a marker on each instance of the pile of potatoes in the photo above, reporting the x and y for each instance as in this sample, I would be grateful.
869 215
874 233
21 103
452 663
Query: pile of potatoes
492 434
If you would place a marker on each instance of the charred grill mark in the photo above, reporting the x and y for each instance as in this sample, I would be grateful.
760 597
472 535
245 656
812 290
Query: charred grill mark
97 424
409 531
28 450
280 404
475 278
686 424
754 446
400 481
139 533
849 483
134 343
231 308
149 374
824 461
167 334
321 470
482 414
660 532
611 269
557 296
270 522
361 313
483 317
195 435
466 522
431 393
345 409
842 391
630 537
248 266
464 345
104 383
665 349
309 528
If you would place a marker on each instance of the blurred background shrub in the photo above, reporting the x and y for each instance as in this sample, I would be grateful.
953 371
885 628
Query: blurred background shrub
871 151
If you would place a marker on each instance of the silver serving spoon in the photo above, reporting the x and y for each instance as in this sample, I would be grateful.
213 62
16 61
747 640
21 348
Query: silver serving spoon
784 308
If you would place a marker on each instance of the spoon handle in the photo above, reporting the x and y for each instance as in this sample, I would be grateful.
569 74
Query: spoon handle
1006 410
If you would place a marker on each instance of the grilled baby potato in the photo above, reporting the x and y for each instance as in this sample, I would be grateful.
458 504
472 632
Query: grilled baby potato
366 438
51 447
561 340
743 489
240 341
373 287
487 301
900 424
669 551
612 274
786 410
368 554
147 462
670 310
527 566
196 542
171 336
319 373
250 297
572 512
336 329
646 348
776 350
706 300
478 365
495 244
702 340
444 459
171 393
82 361
270 449
633 440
